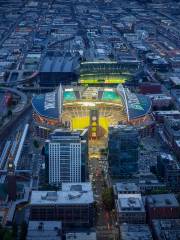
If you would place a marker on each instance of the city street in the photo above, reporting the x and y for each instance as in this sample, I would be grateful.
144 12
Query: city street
105 221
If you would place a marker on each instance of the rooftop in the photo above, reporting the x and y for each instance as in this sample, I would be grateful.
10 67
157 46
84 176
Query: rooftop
81 235
66 187
168 112
167 229
175 80
167 156
137 105
126 187
42 230
59 64
162 200
159 97
80 193
130 202
59 135
173 125
50 104
135 232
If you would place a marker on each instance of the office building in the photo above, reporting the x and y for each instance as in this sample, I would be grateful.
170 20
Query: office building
148 185
166 229
144 184
172 129
162 206
123 145
172 133
149 88
160 116
125 188
66 156
169 170
73 205
160 101
130 209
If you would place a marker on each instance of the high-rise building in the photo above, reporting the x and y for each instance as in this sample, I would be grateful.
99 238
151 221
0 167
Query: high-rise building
123 145
66 156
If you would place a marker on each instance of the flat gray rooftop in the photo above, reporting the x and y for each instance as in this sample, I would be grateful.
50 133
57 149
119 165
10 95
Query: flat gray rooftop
44 230
135 232
80 193
162 200
125 187
130 203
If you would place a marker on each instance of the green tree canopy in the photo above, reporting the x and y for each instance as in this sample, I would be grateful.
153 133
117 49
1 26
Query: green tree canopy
35 143
108 198
23 231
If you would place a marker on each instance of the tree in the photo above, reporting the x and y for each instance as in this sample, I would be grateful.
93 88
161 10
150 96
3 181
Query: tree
9 113
14 230
103 151
111 56
23 231
35 143
8 235
2 231
108 198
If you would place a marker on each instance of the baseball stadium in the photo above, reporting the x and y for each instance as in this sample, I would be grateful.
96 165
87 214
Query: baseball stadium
95 108
104 73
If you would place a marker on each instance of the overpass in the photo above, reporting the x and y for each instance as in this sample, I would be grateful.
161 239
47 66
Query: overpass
21 76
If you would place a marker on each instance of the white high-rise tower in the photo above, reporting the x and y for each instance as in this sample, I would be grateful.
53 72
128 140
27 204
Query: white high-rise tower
67 153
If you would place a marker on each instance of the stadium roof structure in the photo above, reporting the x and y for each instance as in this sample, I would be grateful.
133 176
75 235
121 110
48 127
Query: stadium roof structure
58 64
49 105
137 105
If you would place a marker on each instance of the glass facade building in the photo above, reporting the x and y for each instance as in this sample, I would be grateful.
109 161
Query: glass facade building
123 145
